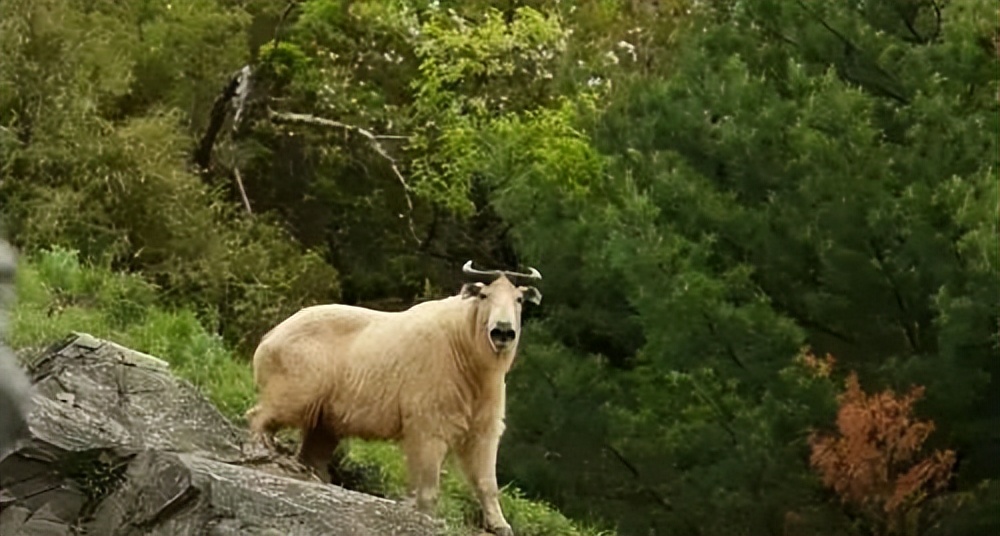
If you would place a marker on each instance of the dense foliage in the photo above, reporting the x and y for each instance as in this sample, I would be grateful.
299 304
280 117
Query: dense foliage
715 191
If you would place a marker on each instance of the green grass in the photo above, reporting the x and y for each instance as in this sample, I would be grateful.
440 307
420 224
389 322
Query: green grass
56 295
457 505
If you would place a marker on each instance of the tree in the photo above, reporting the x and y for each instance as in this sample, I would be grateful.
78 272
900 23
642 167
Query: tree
708 187
97 107
872 462
772 191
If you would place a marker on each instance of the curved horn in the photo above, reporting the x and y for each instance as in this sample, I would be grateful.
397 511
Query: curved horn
488 275
531 275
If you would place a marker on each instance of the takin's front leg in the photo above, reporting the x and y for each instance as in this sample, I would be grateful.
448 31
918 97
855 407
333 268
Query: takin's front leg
262 427
478 456
424 456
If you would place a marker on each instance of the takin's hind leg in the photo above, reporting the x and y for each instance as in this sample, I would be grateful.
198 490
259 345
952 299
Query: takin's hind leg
316 450
263 426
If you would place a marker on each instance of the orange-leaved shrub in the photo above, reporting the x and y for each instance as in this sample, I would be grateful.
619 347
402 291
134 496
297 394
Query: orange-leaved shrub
874 462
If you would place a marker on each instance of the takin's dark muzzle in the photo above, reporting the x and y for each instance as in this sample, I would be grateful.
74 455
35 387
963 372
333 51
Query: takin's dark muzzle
502 335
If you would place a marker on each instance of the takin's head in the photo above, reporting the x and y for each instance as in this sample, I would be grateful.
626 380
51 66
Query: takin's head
498 304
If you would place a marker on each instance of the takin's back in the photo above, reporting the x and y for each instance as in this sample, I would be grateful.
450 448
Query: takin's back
333 331
363 364
339 342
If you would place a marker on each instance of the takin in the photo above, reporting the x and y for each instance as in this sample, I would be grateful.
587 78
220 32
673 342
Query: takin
430 378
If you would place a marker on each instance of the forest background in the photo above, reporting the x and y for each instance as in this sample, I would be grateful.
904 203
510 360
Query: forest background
767 229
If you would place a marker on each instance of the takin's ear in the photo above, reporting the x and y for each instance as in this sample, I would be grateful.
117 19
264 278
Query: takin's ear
532 295
472 289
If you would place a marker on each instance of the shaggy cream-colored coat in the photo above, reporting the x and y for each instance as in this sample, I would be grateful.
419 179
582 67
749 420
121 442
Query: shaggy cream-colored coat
430 378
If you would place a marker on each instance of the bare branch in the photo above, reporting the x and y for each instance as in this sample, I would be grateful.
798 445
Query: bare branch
653 494
203 153
373 138
656 497
806 322
243 192
937 21
281 21
908 22
234 94
243 77
852 49
910 329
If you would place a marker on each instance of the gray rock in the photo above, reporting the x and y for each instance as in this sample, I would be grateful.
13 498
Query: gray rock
119 446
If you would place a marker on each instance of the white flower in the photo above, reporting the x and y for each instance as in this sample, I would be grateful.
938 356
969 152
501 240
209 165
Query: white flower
629 47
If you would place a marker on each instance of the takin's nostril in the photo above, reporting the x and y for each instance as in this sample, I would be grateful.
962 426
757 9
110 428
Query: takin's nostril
499 334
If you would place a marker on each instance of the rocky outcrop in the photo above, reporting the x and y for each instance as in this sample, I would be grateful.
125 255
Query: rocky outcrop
119 446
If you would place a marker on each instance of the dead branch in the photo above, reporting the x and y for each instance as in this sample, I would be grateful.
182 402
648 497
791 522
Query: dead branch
307 119
243 192
203 154
244 78
234 95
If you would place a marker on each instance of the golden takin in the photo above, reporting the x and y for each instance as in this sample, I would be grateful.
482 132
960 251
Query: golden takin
430 378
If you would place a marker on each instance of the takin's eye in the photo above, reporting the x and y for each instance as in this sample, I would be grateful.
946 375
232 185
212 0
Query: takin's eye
520 299
483 296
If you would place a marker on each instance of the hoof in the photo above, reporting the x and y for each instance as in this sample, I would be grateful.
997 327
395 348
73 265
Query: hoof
265 441
319 476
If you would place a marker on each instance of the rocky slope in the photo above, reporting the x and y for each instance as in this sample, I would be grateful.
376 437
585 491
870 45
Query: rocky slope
119 446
